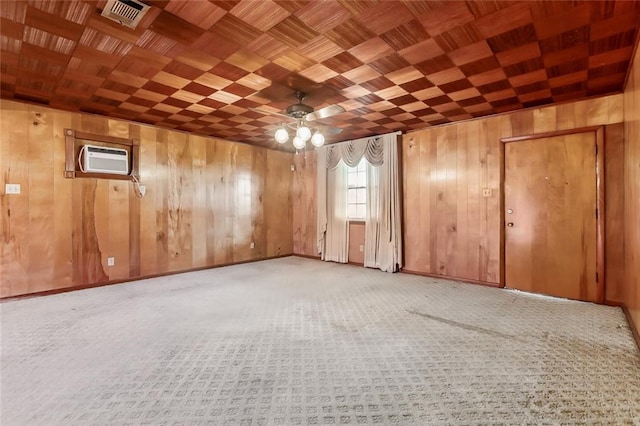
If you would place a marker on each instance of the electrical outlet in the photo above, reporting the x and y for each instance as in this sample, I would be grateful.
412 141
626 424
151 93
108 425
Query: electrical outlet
252 245
111 261
12 188
361 248
487 192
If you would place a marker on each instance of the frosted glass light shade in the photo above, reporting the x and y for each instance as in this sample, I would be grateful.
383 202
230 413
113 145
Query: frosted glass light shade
281 135
304 133
317 139
298 143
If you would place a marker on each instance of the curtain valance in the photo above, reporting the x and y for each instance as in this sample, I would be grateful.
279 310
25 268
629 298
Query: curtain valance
351 152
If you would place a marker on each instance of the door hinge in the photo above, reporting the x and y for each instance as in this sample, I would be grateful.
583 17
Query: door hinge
596 213
596 277
596 149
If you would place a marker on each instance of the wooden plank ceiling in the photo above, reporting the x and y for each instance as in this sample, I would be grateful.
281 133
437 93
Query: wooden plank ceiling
199 66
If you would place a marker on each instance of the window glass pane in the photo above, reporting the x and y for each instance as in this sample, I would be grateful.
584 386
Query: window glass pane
361 210
352 179
362 165
352 210
362 195
362 179
351 196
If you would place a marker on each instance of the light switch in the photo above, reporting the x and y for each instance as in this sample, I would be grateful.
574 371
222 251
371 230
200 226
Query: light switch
12 188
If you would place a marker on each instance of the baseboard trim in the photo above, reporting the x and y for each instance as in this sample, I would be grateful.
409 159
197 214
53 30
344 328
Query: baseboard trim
446 277
307 256
355 263
632 325
128 280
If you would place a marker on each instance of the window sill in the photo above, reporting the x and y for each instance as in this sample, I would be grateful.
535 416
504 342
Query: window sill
357 221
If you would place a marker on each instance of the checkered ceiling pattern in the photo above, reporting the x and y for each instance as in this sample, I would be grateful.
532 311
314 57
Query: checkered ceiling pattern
206 66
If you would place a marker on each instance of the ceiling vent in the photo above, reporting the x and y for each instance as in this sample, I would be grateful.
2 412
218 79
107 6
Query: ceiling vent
125 12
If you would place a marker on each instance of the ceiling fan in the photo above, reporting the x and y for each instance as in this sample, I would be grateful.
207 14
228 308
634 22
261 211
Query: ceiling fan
300 117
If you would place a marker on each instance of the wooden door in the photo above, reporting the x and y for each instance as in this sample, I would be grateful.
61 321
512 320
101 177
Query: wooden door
550 216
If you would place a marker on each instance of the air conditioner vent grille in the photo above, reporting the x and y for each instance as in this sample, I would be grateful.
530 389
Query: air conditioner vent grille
125 12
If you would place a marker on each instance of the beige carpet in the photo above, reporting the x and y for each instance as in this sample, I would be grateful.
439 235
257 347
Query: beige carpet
297 341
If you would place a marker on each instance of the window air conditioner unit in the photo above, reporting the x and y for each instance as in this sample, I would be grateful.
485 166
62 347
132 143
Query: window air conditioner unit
99 159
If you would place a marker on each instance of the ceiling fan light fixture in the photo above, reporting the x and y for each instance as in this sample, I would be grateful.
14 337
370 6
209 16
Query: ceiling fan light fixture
299 143
317 139
303 132
281 135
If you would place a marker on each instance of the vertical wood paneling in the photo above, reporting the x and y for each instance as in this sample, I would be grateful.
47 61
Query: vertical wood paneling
411 152
421 151
15 218
206 201
449 228
223 206
304 204
162 201
257 210
148 177
62 193
445 169
213 177
614 208
134 214
199 209
471 191
179 202
632 191
40 196
119 229
278 211
241 196
97 214
356 239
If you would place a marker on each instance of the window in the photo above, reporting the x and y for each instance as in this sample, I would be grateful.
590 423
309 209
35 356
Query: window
357 191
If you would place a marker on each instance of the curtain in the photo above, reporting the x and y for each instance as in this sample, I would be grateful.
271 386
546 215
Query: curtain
383 232
383 238
332 224
337 234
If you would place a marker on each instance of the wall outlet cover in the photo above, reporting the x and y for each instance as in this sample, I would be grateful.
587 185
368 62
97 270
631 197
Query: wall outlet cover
487 192
12 188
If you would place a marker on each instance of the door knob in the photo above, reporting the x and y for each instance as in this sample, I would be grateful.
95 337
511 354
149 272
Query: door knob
510 224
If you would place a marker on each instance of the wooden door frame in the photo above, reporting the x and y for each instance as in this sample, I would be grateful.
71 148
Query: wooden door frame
600 198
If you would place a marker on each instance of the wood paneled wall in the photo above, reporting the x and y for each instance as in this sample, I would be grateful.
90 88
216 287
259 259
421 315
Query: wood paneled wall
450 228
206 201
632 191
305 204
356 240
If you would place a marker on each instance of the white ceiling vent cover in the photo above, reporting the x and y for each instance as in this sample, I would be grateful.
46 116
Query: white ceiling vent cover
125 12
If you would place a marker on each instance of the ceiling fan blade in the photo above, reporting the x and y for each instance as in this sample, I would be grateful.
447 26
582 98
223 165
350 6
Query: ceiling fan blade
276 92
330 131
265 112
326 112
